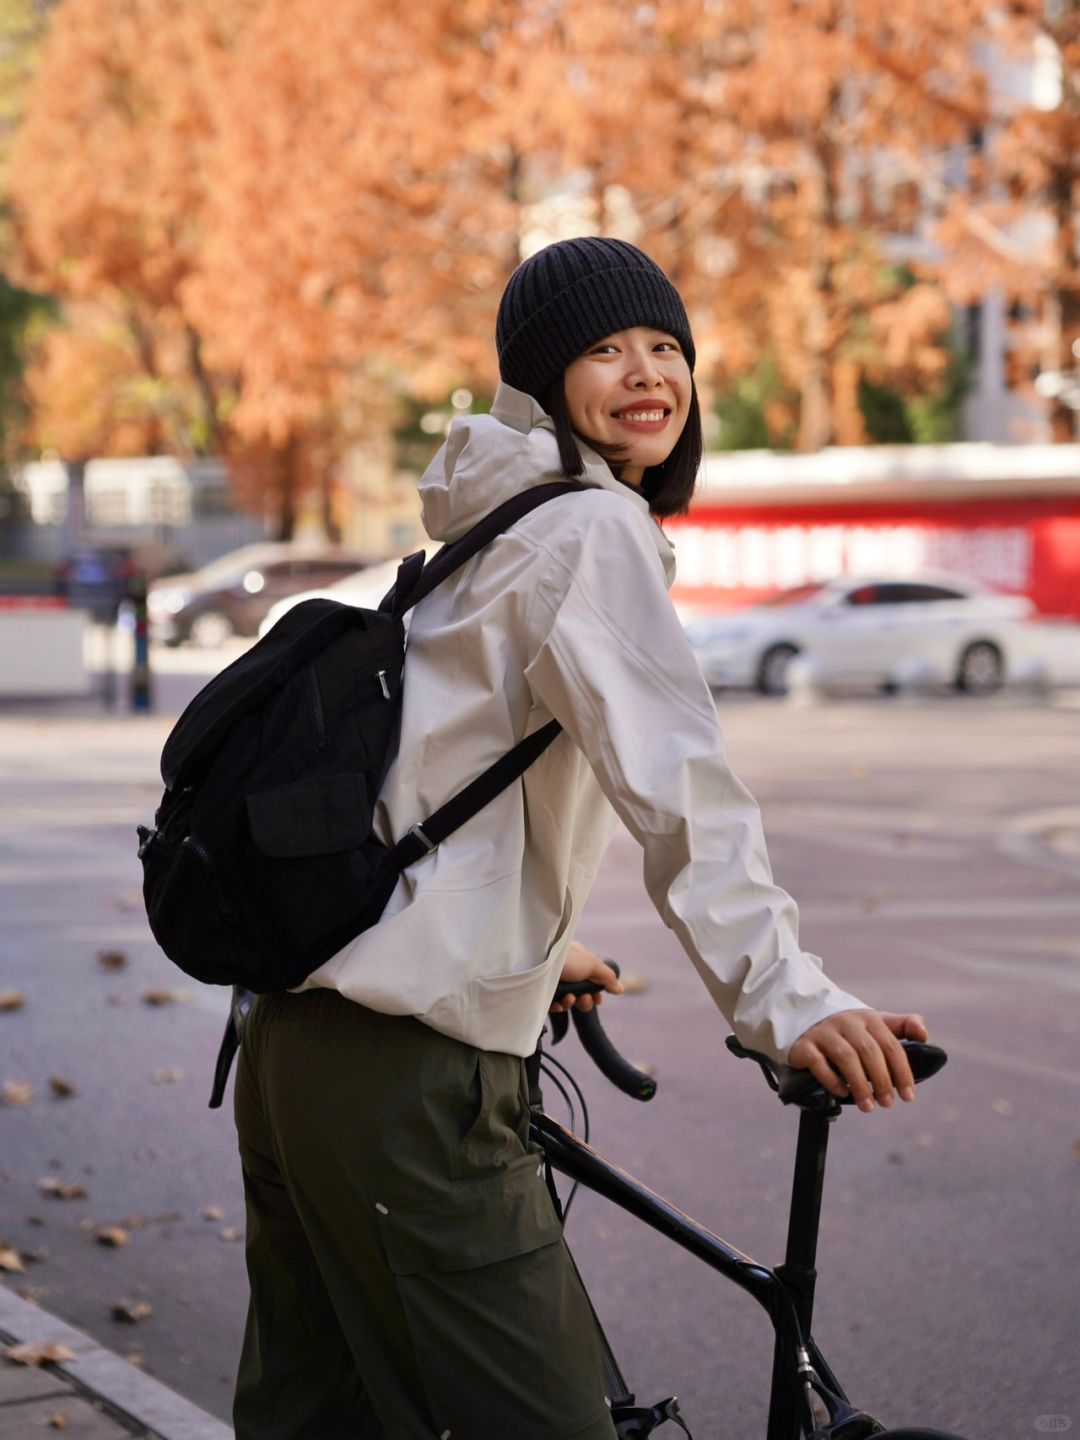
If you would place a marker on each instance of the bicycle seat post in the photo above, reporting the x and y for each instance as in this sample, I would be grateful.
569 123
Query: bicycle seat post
804 1217
797 1271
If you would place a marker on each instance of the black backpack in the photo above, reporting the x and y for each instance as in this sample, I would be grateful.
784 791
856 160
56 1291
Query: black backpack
262 862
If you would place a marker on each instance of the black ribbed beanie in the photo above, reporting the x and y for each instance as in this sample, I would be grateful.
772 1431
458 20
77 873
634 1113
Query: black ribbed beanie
571 294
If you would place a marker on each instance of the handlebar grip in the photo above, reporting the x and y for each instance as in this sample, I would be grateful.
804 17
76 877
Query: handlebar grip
606 1058
584 987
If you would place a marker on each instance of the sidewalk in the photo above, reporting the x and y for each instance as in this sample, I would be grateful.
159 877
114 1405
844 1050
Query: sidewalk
93 1396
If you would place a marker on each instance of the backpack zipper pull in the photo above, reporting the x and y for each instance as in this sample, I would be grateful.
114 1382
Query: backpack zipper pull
383 684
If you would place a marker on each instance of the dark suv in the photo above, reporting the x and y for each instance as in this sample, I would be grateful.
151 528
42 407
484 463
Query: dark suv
232 594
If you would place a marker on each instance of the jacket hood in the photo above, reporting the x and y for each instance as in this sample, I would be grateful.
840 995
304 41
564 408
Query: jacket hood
488 458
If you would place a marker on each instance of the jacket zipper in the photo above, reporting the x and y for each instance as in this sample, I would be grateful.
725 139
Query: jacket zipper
316 705
201 854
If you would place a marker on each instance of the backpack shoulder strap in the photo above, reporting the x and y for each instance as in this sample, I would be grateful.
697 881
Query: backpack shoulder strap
422 839
414 584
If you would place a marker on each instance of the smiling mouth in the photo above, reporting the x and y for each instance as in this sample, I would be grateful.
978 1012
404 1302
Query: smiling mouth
655 415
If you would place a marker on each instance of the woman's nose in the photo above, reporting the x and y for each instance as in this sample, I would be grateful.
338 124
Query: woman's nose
643 372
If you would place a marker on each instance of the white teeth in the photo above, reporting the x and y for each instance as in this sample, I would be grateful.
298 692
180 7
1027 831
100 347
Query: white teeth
648 416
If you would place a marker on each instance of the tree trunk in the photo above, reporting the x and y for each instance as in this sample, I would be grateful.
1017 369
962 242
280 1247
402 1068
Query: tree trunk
212 429
816 405
331 528
817 422
286 487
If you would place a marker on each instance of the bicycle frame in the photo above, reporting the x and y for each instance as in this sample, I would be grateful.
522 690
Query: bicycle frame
785 1293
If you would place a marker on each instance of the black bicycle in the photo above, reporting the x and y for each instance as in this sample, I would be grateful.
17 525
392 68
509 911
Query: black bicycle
807 1401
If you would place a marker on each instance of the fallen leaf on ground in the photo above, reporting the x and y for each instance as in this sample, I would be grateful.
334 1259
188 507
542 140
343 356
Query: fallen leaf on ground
45 1352
10 1261
57 1421
131 1311
11 1000
112 1235
136 1222
16 1092
120 999
168 1076
61 1088
1001 1107
61 1189
1076 1148
161 996
230 1234
215 1212
111 959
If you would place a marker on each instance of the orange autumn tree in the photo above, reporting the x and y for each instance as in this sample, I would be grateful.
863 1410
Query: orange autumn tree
764 147
298 212
1010 222
373 170
107 177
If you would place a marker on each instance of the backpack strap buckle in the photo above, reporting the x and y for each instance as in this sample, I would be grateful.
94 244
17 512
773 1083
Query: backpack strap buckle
429 847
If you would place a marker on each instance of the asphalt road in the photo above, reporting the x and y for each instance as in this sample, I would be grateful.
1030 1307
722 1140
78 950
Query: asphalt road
935 850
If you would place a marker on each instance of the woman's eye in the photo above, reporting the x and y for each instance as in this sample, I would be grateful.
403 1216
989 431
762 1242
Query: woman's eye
667 345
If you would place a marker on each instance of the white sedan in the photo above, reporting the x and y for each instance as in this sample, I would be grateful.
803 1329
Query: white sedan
869 631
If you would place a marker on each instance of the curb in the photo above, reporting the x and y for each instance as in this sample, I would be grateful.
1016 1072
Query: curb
138 1398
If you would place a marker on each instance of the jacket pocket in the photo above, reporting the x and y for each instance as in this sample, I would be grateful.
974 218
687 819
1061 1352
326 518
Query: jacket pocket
528 985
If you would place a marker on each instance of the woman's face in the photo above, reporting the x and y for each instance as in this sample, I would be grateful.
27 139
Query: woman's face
631 389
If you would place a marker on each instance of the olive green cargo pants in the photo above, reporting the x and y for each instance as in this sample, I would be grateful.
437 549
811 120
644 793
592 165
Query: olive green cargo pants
409 1279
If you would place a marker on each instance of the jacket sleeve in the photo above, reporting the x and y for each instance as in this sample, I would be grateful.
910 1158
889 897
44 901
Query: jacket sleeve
611 662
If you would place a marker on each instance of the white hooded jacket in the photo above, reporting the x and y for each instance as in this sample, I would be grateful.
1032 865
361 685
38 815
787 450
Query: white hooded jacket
565 615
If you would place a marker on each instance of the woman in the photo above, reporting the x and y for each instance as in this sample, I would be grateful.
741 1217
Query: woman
408 1273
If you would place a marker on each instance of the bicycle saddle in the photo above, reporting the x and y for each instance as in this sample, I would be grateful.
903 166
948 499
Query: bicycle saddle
799 1087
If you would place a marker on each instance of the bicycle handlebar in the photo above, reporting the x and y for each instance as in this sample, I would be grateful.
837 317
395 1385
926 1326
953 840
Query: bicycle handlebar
595 1042
794 1087
624 1076
802 1088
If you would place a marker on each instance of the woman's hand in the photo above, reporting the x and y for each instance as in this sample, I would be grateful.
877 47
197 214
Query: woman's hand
865 1048
581 964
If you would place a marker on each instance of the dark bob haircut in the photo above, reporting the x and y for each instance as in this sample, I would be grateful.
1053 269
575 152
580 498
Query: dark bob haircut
669 487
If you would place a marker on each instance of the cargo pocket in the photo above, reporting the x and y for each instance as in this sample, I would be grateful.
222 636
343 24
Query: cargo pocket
502 1331
473 1223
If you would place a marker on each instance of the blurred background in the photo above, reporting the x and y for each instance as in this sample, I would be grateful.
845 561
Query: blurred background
251 256
251 253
